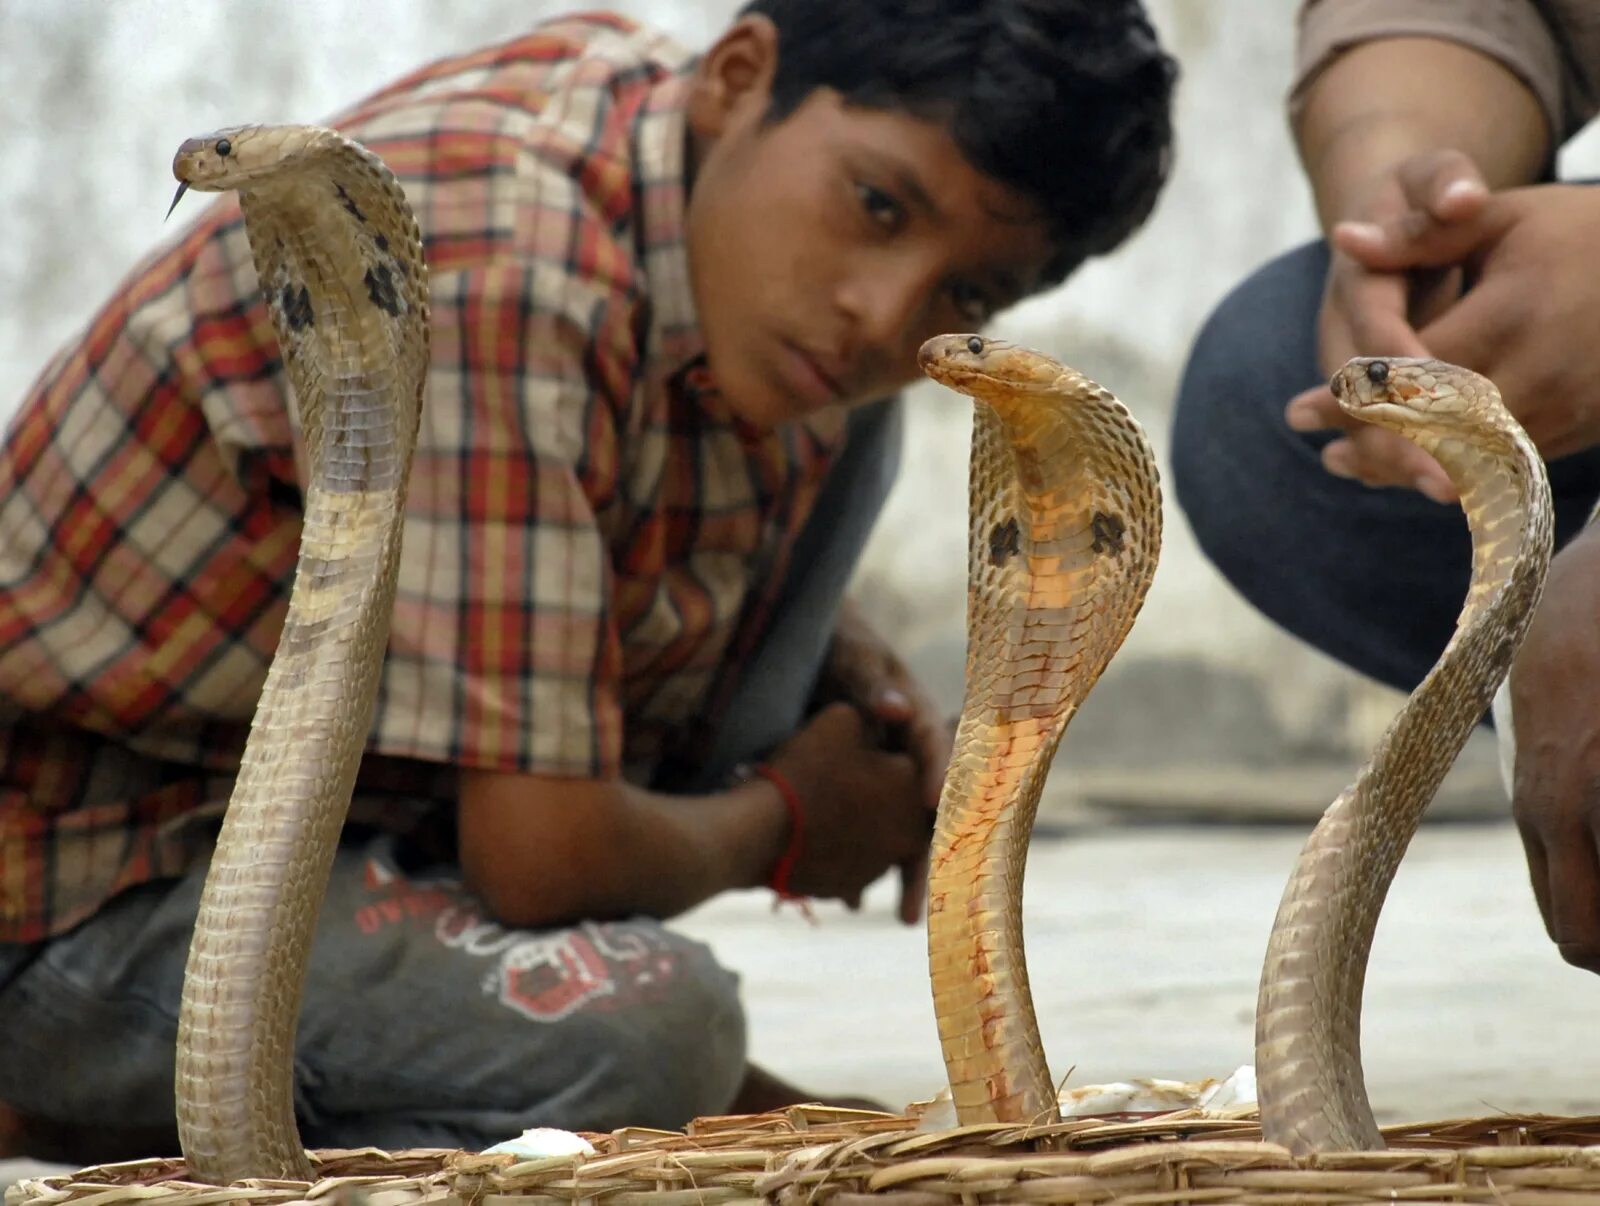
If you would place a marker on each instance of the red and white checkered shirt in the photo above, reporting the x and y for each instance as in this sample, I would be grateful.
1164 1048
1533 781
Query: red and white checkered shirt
592 541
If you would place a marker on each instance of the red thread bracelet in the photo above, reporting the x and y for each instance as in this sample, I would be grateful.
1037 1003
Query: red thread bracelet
784 867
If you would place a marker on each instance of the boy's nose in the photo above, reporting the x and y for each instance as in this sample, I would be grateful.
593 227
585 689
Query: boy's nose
883 310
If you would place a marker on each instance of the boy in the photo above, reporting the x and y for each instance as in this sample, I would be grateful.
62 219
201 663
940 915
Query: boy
672 300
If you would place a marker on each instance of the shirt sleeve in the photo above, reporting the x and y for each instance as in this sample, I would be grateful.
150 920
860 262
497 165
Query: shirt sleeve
1552 47
503 653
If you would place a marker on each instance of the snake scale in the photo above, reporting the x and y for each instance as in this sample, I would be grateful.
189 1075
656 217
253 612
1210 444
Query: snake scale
339 258
1064 535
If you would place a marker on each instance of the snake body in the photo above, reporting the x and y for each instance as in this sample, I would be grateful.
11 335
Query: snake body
339 257
1308 1017
1064 535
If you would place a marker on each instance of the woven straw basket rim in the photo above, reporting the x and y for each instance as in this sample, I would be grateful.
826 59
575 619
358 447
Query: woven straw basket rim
820 1154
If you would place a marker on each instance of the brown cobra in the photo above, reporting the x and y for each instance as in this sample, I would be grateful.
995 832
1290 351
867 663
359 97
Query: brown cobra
339 258
1065 531
1308 1016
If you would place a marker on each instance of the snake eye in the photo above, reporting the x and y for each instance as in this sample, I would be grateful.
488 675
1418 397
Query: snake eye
1377 372
975 346
224 147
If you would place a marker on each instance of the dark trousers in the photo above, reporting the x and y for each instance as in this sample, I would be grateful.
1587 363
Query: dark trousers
1372 577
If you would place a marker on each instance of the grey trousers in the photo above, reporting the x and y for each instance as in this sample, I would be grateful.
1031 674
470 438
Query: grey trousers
424 1022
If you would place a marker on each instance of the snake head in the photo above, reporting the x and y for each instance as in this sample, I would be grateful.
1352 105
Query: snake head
1405 393
237 157
991 370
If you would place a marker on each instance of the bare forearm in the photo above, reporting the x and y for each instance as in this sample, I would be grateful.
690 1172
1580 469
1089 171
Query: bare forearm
541 851
1385 100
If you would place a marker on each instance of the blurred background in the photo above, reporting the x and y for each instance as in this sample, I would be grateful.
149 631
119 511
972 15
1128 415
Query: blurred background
1208 713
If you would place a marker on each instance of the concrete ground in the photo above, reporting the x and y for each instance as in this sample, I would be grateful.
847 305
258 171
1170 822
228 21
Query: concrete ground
1145 945
1145 942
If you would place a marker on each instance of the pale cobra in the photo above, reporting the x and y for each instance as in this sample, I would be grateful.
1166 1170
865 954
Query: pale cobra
1312 1092
339 259
1064 536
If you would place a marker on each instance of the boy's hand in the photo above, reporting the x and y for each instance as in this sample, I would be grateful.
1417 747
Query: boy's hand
863 806
863 670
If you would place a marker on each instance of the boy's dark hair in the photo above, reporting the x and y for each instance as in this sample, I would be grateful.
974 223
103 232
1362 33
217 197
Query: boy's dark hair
1066 101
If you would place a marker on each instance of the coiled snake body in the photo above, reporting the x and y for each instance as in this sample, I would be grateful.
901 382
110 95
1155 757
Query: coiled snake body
339 257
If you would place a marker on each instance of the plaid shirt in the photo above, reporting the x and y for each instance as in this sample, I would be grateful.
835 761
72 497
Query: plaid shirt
592 541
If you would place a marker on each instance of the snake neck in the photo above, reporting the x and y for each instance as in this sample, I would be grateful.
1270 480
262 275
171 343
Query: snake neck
1065 527
348 301
1308 1022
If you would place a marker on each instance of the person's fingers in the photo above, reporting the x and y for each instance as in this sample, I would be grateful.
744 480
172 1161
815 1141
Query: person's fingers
1377 311
913 889
1378 457
1575 898
1487 331
1538 871
1415 240
1364 313
930 743
1445 184
1443 196
1316 409
890 704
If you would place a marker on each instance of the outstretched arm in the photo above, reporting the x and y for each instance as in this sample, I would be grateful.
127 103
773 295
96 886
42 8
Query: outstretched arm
541 850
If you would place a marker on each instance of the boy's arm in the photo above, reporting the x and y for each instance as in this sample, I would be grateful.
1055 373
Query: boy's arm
541 850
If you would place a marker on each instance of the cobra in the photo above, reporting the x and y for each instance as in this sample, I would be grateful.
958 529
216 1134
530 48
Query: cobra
339 257
1312 1092
1064 535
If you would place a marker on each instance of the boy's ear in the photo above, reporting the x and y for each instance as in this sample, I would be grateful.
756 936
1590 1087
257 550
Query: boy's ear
734 77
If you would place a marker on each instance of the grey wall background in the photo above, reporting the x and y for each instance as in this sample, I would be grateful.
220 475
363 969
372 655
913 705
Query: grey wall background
96 95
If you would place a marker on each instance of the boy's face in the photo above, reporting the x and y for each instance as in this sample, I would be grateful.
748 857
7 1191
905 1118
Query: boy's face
825 248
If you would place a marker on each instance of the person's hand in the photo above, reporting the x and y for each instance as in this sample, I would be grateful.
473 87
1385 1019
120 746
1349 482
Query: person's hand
1525 320
1555 707
1372 305
862 669
864 807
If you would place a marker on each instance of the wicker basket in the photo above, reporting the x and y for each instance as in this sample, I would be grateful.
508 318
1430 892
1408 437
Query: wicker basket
815 1154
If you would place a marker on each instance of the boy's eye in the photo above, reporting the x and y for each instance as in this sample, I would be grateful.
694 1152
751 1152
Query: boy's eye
972 303
880 206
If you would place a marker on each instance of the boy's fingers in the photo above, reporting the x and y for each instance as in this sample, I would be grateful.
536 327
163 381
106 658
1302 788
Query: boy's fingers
913 887
892 705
